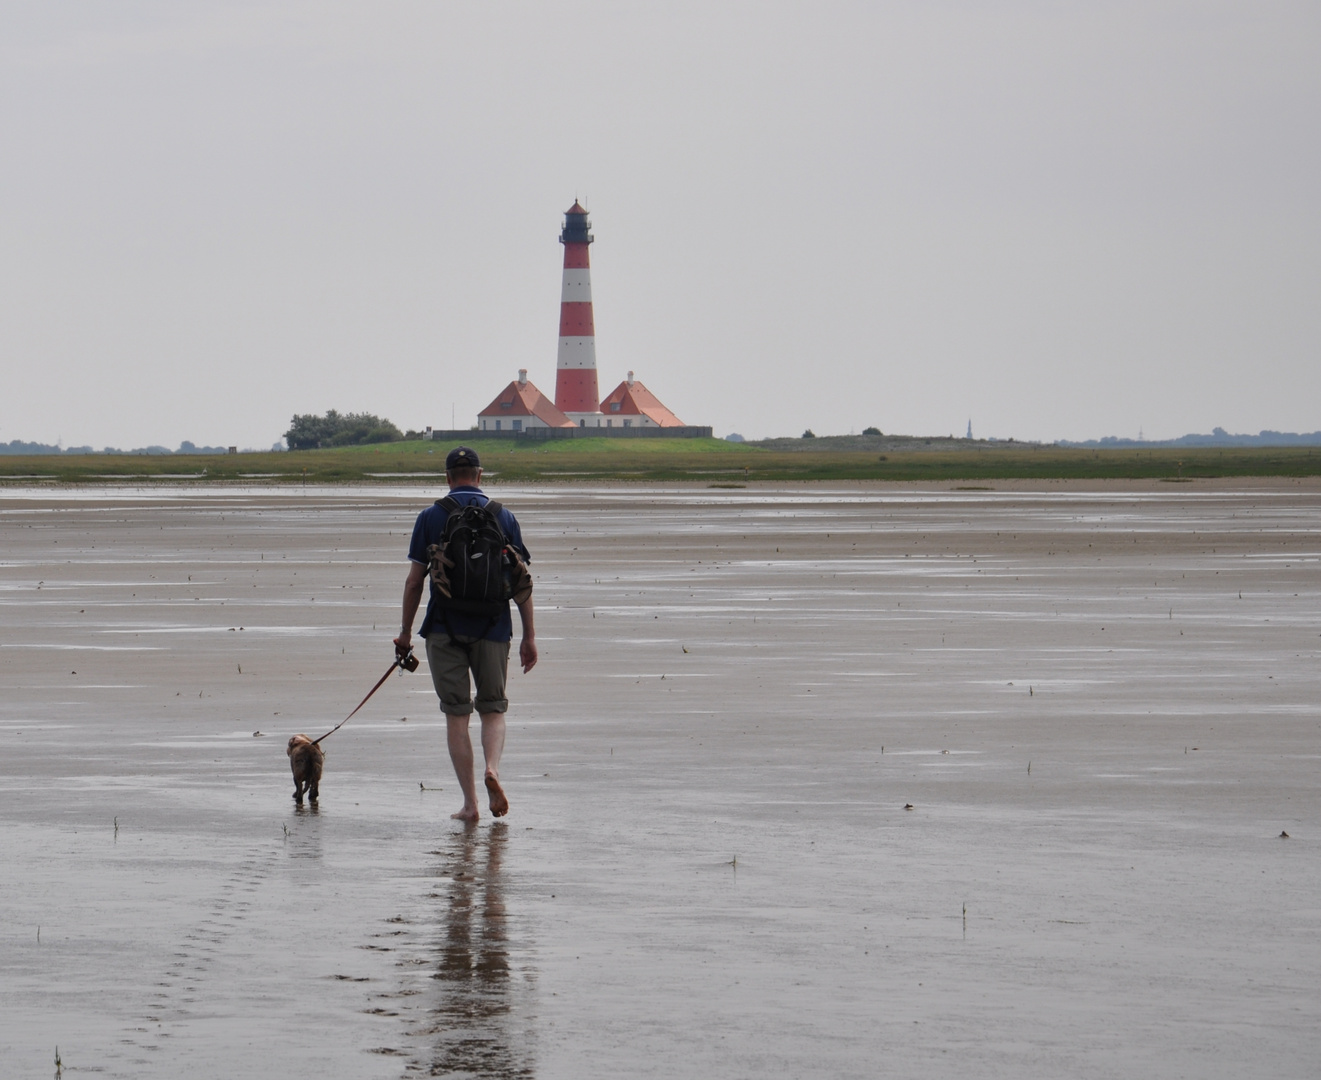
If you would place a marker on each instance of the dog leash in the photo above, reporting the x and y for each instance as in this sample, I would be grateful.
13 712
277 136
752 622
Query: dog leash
406 662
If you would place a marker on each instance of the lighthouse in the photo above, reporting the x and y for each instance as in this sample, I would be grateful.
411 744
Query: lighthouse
630 409
576 392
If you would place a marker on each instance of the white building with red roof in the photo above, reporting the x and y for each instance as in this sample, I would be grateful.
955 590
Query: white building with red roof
521 406
631 404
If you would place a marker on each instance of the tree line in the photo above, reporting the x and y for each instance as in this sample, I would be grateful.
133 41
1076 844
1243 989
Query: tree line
311 432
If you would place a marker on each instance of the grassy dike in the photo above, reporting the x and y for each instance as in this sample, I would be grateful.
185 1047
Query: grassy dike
712 461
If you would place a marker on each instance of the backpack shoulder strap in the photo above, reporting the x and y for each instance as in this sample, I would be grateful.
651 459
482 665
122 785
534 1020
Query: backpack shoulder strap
494 507
449 504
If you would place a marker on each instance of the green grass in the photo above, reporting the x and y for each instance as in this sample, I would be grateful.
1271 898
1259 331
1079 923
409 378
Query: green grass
712 461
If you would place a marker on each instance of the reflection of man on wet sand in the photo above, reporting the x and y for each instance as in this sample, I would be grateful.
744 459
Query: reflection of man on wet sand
459 642
483 1022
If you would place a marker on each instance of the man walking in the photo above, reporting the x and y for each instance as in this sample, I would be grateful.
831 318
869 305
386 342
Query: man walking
459 642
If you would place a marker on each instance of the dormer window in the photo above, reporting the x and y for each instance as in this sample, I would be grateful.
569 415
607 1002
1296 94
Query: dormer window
615 406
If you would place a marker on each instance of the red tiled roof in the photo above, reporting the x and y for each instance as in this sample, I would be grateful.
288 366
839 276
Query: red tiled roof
637 400
524 399
576 208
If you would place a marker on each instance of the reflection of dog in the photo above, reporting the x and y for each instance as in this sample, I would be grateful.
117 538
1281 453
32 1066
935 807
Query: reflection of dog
305 758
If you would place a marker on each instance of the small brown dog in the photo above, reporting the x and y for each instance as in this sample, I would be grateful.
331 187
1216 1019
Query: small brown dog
306 759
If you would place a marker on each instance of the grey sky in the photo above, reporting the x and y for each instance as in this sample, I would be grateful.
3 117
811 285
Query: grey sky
1060 220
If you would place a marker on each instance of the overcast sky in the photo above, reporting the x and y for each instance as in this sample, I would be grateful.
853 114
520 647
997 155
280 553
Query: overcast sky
1058 220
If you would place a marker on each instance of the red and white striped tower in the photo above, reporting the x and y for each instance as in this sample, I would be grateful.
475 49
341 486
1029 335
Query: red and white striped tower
576 392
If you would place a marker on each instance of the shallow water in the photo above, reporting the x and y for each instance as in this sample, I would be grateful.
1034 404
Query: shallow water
1101 705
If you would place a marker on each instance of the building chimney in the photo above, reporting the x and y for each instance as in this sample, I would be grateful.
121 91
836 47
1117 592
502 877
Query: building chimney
630 380
522 376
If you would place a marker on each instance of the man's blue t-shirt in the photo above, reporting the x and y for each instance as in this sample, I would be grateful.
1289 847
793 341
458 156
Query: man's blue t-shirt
428 530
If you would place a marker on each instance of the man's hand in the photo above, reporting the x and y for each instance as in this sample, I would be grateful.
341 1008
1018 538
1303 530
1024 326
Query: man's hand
527 650
417 574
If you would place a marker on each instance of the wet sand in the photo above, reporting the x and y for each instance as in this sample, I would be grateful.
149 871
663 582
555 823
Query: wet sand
1102 704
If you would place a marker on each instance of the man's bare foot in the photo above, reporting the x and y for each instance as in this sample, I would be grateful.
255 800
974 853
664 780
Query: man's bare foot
468 814
499 804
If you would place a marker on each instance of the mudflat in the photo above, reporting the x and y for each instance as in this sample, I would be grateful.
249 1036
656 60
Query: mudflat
844 781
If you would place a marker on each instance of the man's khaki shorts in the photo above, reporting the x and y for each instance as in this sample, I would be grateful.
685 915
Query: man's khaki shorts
451 660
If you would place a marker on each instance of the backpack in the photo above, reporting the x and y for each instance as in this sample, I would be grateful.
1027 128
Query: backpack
473 568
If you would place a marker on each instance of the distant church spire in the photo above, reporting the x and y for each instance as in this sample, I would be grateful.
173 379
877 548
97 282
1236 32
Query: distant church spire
969 435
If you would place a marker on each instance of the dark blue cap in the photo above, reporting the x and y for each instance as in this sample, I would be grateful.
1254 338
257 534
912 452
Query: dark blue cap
462 457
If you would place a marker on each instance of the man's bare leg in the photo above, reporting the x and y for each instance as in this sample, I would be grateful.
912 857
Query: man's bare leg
493 745
460 747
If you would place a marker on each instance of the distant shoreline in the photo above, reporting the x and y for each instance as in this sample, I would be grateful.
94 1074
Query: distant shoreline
712 462
68 496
